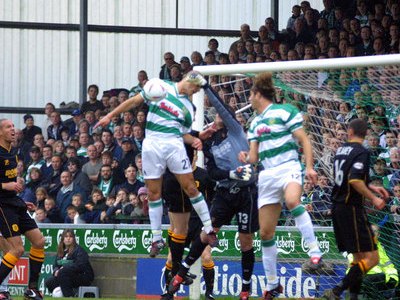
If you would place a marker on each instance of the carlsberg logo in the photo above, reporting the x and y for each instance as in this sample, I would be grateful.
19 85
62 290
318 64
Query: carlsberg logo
285 243
223 243
147 239
95 240
123 241
256 242
48 239
323 243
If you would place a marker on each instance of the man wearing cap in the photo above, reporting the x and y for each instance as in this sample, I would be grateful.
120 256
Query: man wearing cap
30 129
73 123
129 152
168 127
185 65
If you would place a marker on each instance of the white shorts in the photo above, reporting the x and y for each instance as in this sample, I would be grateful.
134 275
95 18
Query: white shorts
157 155
272 182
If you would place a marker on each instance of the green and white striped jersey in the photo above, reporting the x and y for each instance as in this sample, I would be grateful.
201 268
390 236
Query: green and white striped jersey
272 129
170 117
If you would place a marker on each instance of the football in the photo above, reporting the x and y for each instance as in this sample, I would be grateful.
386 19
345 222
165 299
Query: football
154 90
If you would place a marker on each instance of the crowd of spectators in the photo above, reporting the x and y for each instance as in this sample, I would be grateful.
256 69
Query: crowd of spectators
76 174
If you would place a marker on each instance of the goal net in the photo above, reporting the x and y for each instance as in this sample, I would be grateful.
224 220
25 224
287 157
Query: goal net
329 93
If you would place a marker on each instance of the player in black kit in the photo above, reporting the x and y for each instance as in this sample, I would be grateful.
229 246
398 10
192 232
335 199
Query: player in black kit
14 218
179 238
351 226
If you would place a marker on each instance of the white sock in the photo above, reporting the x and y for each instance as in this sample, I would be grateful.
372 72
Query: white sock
155 215
200 206
269 256
305 226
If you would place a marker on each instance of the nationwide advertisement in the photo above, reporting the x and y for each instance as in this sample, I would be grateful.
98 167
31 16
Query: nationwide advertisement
228 281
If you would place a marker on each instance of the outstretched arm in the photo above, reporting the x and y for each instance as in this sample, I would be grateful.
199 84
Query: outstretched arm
124 106
229 120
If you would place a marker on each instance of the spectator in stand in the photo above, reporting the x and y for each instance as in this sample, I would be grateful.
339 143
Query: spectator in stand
233 57
362 13
394 37
22 145
391 141
48 109
105 99
380 171
35 161
169 59
296 11
41 216
47 153
213 46
121 203
241 51
140 206
185 65
106 181
118 135
245 35
141 118
90 117
73 123
272 33
328 13
41 195
138 163
52 183
84 142
365 47
108 140
142 79
92 167
197 59
52 211
67 190
79 178
95 206
77 201
373 146
30 129
320 201
176 73
210 59
138 136
131 184
305 5
263 35
72 267
54 130
93 104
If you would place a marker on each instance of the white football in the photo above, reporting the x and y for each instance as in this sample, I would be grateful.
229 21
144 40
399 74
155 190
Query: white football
154 90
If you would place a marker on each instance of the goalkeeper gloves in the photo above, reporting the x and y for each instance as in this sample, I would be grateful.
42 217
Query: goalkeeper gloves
242 173
196 78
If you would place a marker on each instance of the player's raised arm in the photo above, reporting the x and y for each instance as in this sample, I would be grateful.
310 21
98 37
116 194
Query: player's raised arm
124 106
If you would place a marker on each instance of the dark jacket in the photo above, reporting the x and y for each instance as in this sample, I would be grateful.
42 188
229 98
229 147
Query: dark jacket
77 261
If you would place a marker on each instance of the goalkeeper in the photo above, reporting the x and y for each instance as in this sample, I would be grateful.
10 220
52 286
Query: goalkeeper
236 193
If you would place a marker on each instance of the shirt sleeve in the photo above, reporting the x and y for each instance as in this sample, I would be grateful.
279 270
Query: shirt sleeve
359 167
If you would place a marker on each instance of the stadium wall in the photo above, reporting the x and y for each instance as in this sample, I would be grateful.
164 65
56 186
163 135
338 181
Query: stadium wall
119 255
39 66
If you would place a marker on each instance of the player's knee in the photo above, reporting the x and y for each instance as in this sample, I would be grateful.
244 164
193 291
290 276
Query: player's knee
191 191
154 195
17 251
266 234
38 243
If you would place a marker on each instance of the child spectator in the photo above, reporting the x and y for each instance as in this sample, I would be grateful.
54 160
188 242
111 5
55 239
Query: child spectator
41 216
52 211
140 205
95 206
41 195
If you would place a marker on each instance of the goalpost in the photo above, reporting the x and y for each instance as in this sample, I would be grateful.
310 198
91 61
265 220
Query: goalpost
329 92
